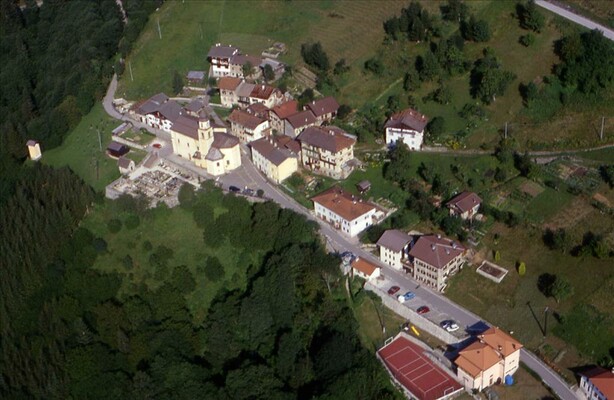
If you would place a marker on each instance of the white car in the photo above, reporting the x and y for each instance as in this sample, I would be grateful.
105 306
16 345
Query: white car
450 326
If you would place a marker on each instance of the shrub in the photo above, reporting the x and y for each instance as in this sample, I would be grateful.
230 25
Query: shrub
114 225
214 270
527 40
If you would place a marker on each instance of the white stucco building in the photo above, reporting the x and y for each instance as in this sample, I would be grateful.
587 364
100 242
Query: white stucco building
407 127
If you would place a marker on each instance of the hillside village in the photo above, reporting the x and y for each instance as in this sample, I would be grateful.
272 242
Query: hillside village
282 139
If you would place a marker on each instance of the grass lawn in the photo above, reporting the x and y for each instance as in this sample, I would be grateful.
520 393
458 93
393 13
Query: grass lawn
176 230
380 188
81 150
547 204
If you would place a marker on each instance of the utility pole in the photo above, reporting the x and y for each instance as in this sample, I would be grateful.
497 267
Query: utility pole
602 123
159 30
130 68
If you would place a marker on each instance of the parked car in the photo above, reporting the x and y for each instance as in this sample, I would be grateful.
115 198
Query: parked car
449 325
423 310
234 189
157 145
249 192
393 290
405 297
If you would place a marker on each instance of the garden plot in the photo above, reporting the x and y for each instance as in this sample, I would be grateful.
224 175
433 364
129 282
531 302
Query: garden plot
492 271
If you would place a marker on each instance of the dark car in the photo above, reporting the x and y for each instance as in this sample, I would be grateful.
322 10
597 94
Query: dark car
234 189
423 310
393 290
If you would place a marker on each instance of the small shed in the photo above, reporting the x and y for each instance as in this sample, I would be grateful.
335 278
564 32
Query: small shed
117 150
363 186
34 150
195 76
121 129
125 165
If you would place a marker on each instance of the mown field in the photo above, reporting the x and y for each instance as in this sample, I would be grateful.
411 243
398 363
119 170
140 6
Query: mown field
81 150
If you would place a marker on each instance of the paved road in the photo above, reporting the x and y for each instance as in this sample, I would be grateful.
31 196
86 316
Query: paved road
249 176
578 19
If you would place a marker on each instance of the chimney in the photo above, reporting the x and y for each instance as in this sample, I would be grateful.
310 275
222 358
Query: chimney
500 348
448 251
433 247
438 236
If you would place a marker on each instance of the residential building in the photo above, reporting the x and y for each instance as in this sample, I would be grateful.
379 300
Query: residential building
344 211
493 357
195 108
465 205
408 127
158 112
324 109
290 144
597 384
276 162
125 165
228 87
219 56
279 113
278 67
259 110
247 126
207 146
394 248
243 94
296 123
34 150
239 62
365 269
327 150
433 259
267 95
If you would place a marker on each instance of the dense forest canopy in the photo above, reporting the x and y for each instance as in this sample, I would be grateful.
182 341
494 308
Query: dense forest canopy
69 333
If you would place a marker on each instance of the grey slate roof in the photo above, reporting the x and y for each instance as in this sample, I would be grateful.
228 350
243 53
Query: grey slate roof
270 151
186 125
224 140
170 110
436 251
194 106
329 138
214 154
323 106
300 119
222 51
196 75
394 240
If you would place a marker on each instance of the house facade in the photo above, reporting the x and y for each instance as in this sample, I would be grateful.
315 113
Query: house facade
494 356
434 259
219 56
248 127
465 205
407 127
324 109
158 112
279 113
344 211
273 160
228 87
327 151
597 384
394 248
267 95
296 123
208 147
239 62
365 269
125 165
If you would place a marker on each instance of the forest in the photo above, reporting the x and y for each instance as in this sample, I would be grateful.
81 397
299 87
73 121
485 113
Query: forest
68 332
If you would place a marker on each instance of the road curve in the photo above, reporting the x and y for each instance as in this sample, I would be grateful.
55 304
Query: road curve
248 175
578 19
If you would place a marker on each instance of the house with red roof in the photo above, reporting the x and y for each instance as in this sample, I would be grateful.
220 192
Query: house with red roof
268 95
365 269
344 211
327 150
406 127
280 112
597 383
464 205
228 87
434 259
490 360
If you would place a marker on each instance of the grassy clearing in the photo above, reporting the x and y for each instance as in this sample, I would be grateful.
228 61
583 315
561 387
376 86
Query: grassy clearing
81 150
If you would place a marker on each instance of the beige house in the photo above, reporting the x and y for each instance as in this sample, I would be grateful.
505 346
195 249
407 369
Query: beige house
34 150
208 147
247 126
327 150
394 248
324 109
434 259
219 56
465 205
296 123
237 63
274 160
228 87
158 112
488 360
279 113
344 211
365 269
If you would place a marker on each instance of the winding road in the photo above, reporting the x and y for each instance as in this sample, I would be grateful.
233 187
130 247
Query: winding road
249 176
